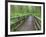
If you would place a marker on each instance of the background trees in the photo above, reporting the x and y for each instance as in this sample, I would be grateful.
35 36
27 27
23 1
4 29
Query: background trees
22 10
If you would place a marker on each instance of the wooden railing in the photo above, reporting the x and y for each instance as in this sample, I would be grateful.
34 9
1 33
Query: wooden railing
37 23
17 23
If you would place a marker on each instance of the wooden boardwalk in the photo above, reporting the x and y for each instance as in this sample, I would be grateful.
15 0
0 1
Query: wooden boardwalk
27 25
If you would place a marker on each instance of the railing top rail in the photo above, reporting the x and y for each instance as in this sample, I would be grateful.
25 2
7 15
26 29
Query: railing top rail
38 18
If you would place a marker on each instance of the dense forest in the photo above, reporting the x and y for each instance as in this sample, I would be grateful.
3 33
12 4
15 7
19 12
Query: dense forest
20 12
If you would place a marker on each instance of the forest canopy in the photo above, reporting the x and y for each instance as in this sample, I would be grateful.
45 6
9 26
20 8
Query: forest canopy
23 10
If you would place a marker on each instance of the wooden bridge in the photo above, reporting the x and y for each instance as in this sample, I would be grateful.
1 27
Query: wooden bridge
26 23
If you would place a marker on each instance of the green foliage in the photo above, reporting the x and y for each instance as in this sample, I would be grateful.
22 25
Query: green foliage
36 11
18 11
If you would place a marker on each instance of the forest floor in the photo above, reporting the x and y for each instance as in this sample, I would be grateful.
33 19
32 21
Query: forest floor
28 25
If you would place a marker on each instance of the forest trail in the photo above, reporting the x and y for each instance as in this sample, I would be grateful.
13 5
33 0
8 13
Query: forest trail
27 25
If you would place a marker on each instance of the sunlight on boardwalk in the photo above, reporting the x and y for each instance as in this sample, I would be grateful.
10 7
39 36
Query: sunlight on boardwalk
27 25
